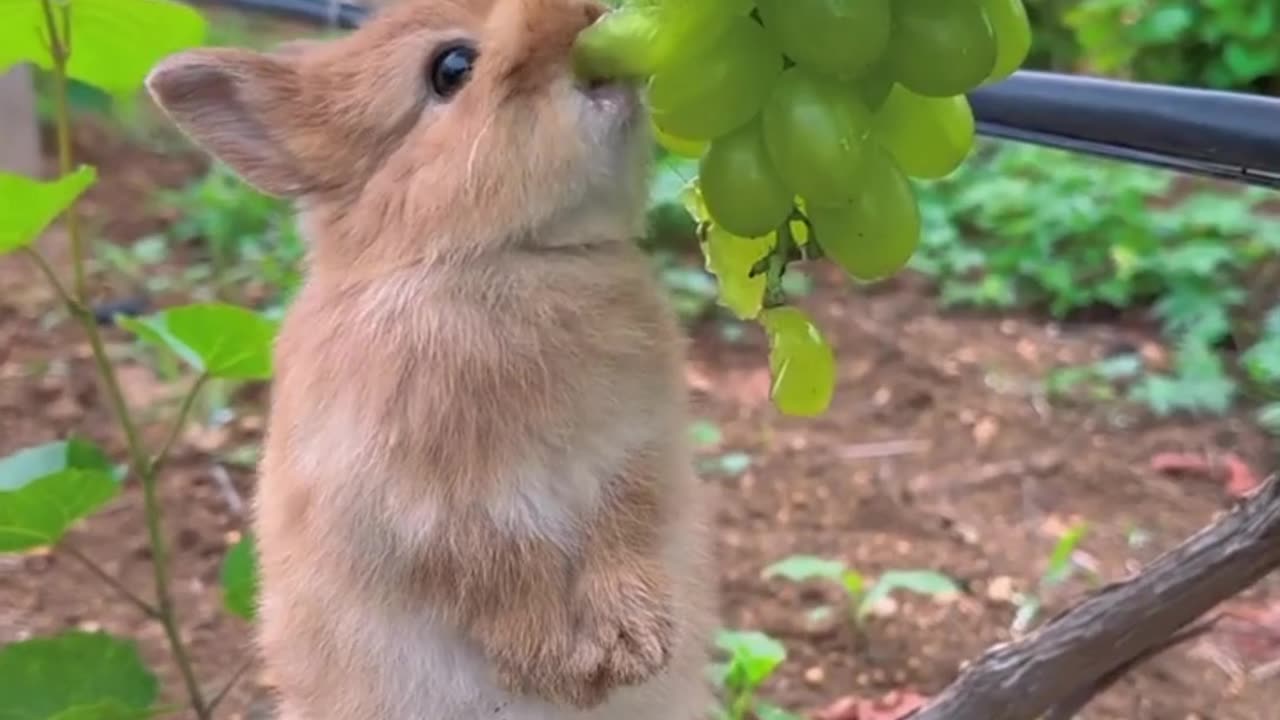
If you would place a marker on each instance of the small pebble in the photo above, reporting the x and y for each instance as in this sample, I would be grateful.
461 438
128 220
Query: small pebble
1000 589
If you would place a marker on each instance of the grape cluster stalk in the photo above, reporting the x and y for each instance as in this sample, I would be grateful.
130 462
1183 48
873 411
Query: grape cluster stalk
809 119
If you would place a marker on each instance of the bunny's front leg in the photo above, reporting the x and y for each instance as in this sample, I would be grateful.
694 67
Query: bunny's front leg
572 627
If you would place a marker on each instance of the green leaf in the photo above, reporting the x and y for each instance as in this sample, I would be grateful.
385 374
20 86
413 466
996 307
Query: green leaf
705 433
53 677
799 568
1059 567
921 582
30 206
240 578
1200 383
854 583
44 490
731 259
223 341
752 655
114 43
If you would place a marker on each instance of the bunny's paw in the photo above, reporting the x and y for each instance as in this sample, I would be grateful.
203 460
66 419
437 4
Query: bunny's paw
622 634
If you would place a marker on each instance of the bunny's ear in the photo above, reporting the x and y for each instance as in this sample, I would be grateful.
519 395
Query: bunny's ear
228 101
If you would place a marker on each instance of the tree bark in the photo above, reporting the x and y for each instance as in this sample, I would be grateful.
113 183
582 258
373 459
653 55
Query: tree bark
1077 654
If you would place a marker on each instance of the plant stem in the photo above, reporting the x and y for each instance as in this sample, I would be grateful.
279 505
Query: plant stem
741 705
231 683
774 295
147 608
141 463
61 51
179 422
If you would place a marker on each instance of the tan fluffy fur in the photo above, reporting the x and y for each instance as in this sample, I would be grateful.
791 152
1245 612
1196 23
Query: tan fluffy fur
476 500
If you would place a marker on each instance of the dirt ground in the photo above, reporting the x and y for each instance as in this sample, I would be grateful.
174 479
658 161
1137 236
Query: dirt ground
938 453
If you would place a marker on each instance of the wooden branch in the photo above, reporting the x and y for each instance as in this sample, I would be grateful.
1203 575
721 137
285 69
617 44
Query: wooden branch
1081 650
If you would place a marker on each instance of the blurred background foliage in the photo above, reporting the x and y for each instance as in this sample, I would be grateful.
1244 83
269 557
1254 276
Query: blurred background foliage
1223 44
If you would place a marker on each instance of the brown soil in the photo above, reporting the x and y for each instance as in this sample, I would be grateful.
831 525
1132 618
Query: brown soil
938 453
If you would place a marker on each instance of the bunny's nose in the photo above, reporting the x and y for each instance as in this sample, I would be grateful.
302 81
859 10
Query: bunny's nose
536 34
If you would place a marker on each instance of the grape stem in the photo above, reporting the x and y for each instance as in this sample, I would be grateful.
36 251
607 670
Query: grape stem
774 294
774 265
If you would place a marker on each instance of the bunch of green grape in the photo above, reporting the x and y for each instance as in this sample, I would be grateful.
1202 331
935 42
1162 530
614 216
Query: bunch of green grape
809 118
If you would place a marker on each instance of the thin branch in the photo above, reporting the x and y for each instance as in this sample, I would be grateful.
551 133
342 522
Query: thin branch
179 423
47 270
61 50
1083 648
147 608
221 695
137 454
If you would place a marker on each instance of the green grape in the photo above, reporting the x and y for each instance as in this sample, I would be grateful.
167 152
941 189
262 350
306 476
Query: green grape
840 38
730 258
803 365
740 186
620 45
677 145
1013 35
719 89
928 137
941 48
637 39
874 236
874 85
691 26
815 130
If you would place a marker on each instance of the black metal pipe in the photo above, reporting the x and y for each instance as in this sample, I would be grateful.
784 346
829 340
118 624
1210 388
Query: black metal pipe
1218 134
1209 132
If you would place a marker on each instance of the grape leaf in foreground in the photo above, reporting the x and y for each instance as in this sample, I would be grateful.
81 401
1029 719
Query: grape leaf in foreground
31 205
49 678
240 578
114 43
46 489
223 341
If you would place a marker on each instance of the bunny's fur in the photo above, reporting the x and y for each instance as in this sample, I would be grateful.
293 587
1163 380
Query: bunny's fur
476 499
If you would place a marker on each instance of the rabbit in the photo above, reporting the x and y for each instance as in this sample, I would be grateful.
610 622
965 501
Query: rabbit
476 497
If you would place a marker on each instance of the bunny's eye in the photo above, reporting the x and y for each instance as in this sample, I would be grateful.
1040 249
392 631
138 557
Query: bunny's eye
451 69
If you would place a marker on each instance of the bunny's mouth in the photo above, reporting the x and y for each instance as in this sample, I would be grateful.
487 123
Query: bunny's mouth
612 96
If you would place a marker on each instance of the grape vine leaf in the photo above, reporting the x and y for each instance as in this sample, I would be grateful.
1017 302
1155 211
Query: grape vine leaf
46 489
114 43
240 578
223 341
31 205
921 582
48 678
731 259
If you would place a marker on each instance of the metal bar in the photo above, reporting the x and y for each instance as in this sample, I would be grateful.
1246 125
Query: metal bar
1207 132
1233 136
